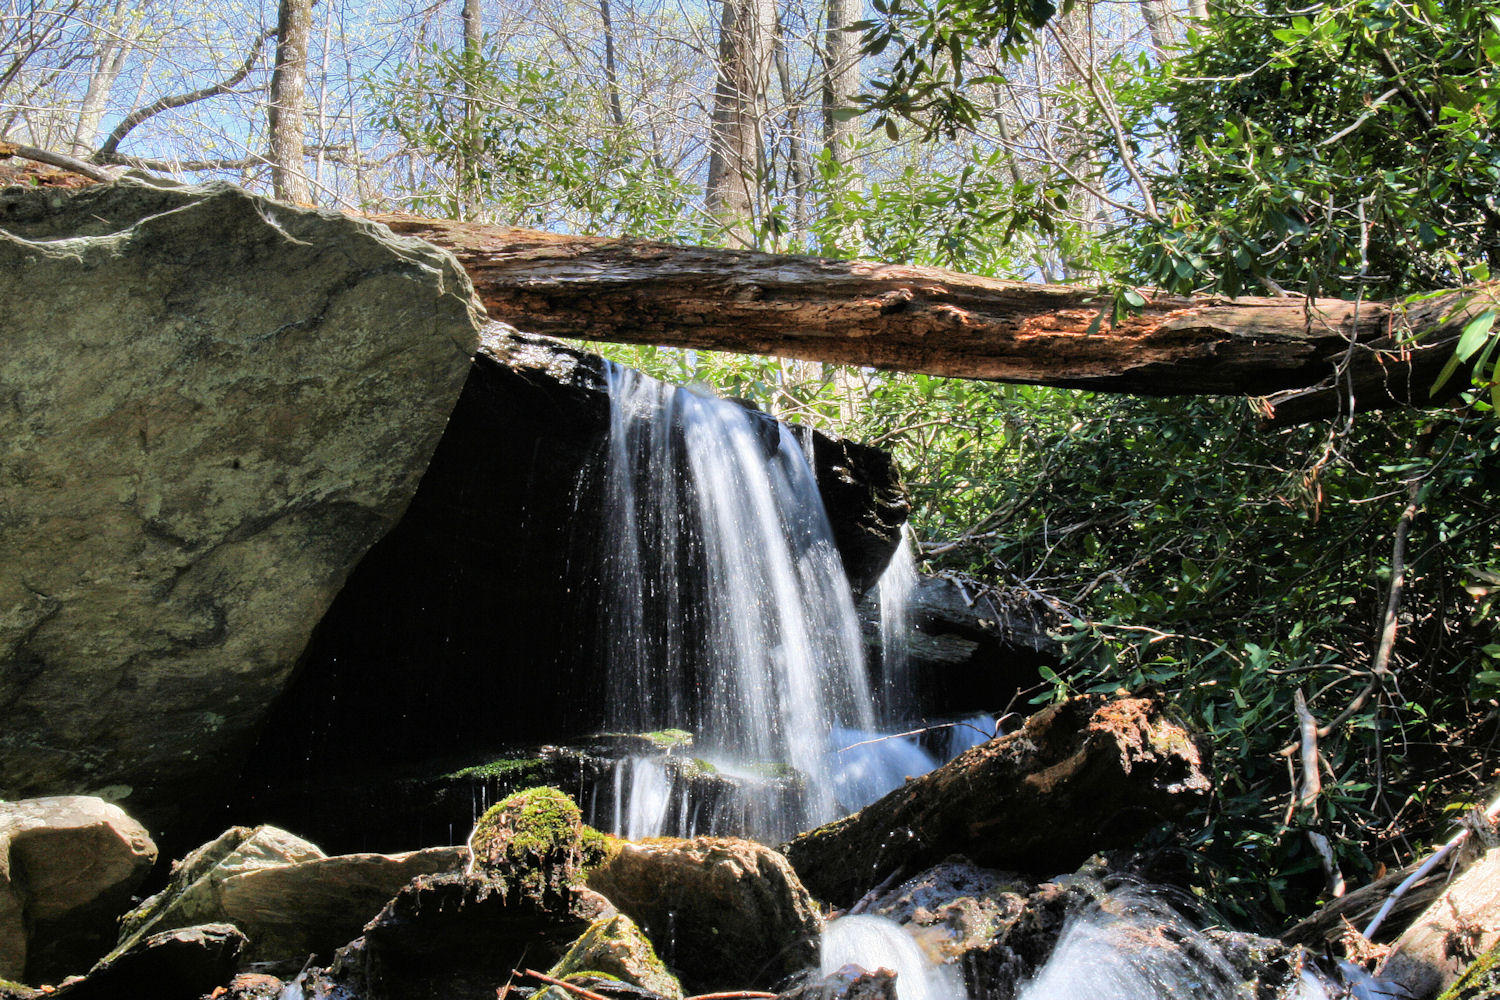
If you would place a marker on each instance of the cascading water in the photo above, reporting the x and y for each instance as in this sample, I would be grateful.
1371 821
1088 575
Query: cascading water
728 610
878 943
894 594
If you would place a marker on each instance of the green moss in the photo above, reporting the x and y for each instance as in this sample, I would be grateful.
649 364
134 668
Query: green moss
1481 981
667 739
516 769
597 848
534 821
615 946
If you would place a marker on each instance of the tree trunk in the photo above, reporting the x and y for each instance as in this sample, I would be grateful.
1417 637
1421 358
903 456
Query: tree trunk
114 46
285 118
472 147
1461 925
841 78
747 32
840 87
1158 24
925 319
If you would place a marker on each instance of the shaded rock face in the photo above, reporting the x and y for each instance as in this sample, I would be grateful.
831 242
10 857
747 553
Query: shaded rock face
726 914
969 648
211 405
1080 776
68 865
183 964
456 936
474 625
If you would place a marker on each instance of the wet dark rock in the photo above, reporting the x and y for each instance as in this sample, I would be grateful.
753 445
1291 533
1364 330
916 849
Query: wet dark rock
181 964
969 645
251 986
215 405
1269 969
1080 776
725 914
849 983
457 936
472 628
68 865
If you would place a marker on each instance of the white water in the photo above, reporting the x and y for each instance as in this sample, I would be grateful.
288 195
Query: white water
894 592
729 612
1132 945
878 943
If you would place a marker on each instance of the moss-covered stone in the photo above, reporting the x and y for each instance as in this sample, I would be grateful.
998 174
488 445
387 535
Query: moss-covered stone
668 739
16 991
1481 981
615 947
535 835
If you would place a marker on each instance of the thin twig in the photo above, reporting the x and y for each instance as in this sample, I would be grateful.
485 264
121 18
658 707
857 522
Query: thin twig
575 990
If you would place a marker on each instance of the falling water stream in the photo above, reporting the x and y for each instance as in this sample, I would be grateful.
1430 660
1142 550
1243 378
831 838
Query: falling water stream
728 614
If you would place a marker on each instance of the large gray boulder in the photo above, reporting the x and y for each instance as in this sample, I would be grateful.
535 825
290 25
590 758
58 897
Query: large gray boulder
211 405
288 898
68 865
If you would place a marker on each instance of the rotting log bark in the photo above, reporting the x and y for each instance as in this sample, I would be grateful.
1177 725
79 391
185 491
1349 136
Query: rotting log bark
1462 924
924 319
1081 776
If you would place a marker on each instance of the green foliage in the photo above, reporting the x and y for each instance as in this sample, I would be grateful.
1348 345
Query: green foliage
548 155
1343 148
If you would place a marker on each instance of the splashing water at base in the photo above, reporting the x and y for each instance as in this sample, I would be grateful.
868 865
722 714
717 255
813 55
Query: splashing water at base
1132 945
877 943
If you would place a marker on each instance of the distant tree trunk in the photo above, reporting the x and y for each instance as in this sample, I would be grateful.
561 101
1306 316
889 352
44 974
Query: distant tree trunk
471 148
114 45
747 31
1158 24
841 78
840 86
611 74
288 86
799 162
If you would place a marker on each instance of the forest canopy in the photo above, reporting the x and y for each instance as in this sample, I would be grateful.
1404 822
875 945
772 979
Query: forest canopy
1346 148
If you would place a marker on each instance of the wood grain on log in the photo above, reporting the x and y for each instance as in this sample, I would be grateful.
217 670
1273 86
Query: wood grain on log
1462 924
1080 776
923 319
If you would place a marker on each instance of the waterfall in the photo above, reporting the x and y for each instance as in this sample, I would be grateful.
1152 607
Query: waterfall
894 593
728 612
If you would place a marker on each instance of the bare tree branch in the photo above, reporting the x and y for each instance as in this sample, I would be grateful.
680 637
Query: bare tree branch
136 117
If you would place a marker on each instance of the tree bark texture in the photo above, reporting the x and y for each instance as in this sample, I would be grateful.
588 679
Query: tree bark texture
285 117
472 148
747 32
1313 355
1080 776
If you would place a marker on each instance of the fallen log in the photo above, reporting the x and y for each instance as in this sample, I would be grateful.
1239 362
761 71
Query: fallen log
1462 924
1080 776
939 322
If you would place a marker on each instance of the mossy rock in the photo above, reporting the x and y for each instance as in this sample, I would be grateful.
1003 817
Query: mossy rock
1481 981
615 947
16 991
536 835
